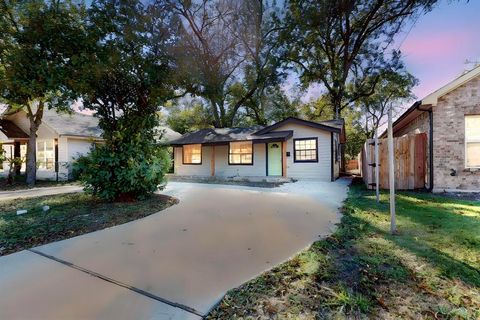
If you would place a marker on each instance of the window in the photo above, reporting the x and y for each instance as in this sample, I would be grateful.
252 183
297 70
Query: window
192 154
472 141
305 150
240 152
45 154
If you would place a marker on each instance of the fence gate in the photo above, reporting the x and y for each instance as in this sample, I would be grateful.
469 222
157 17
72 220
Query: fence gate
410 162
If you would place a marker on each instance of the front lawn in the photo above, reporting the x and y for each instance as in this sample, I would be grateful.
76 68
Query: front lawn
69 215
430 270
20 184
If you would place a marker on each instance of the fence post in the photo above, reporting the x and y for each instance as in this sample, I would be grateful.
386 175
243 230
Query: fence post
391 172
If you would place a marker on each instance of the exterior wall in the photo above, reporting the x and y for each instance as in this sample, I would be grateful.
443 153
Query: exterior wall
309 170
258 169
202 170
420 124
297 170
222 168
449 138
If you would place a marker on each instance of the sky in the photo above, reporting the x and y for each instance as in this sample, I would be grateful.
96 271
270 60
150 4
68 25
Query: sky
435 47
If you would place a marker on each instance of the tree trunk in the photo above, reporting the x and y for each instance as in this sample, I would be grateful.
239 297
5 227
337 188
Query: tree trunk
31 154
35 121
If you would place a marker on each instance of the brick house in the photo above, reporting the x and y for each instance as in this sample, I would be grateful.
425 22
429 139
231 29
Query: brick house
450 117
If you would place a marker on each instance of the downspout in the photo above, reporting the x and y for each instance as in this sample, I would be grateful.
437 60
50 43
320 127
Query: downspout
430 143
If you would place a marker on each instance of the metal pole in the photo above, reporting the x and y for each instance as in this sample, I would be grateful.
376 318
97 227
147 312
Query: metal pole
391 173
377 167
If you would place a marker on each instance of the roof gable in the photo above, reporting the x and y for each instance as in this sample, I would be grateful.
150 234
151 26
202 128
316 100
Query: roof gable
432 98
329 125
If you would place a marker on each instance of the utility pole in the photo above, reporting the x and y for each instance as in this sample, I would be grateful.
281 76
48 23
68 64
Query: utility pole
377 167
391 172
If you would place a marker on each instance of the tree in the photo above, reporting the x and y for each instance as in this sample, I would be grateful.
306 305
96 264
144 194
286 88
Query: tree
188 115
344 45
393 88
228 54
38 56
126 80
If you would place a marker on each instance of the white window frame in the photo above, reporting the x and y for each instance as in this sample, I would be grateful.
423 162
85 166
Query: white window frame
467 141
44 160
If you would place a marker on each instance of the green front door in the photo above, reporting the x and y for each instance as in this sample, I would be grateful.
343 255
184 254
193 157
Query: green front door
274 154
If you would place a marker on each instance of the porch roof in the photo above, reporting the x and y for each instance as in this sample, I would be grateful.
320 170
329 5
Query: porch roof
225 135
10 131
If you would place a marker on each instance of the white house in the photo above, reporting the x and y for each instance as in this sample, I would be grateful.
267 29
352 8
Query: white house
292 148
61 138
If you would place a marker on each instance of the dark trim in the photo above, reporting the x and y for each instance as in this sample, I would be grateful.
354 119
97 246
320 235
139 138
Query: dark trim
240 164
332 171
297 121
295 149
201 155
266 157
412 108
55 141
430 147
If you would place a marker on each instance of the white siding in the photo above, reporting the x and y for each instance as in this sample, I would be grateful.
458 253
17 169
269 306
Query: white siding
223 169
202 169
309 170
77 148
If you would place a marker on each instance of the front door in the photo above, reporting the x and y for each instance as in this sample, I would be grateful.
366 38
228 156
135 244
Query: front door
274 163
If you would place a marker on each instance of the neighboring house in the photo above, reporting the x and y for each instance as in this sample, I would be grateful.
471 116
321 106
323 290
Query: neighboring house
291 148
450 117
61 138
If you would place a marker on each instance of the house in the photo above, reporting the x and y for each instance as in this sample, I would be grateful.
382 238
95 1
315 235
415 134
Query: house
61 138
292 148
450 117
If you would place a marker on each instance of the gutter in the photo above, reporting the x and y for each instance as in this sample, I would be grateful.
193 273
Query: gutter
418 104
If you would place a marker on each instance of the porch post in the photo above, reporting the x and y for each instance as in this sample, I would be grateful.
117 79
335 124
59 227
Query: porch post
284 158
212 162
16 154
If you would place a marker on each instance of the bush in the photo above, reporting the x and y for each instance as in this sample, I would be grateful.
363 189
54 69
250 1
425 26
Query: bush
125 168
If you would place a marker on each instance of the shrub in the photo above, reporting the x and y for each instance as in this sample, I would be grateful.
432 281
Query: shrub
128 167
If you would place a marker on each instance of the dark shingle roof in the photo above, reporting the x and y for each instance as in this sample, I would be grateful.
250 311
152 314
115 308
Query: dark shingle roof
224 135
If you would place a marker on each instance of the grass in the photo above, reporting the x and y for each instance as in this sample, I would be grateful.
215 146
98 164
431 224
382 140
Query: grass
69 215
20 184
430 270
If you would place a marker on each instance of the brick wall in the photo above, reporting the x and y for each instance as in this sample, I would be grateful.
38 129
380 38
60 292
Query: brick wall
449 138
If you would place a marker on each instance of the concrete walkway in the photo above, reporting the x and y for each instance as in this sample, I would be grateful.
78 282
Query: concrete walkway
38 192
176 264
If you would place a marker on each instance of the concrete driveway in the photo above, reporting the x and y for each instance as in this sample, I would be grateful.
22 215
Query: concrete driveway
176 264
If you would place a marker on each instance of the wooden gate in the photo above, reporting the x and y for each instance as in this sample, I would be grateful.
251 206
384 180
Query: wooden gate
410 162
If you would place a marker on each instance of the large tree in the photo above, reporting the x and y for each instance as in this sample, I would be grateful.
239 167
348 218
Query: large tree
39 53
394 89
125 82
228 51
344 45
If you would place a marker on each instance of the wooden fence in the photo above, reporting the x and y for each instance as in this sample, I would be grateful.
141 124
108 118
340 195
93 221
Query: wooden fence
410 162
